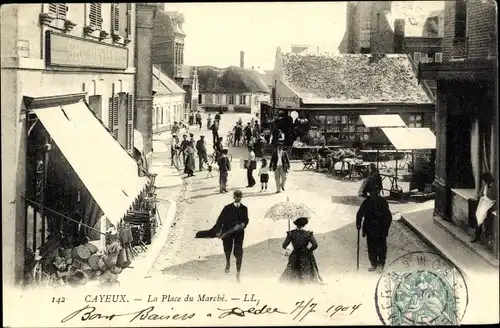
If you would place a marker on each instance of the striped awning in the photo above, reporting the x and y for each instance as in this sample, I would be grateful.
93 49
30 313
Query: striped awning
102 164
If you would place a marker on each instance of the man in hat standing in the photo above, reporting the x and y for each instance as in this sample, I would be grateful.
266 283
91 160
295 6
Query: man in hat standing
184 145
224 168
231 226
280 164
376 217
201 148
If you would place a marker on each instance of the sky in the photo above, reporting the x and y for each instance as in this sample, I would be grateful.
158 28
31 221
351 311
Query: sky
217 32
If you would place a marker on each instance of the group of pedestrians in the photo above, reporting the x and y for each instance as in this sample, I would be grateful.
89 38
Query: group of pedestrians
373 219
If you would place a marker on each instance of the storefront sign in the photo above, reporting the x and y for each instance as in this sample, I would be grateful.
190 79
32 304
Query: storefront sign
288 102
69 51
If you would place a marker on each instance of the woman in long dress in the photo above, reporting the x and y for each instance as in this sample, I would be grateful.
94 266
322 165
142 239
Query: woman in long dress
486 202
190 163
302 267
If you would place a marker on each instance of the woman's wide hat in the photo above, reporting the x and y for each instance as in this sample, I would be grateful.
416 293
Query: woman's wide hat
303 221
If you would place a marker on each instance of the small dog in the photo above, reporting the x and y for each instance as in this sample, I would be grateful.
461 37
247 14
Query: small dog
209 170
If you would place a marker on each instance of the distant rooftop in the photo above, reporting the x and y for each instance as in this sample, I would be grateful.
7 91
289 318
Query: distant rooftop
359 78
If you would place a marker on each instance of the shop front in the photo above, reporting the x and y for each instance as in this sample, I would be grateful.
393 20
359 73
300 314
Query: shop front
81 186
467 142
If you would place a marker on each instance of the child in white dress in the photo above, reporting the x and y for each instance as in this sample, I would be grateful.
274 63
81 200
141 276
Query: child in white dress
264 175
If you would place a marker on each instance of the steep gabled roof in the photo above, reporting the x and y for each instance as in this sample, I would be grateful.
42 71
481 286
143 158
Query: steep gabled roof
162 84
347 79
230 80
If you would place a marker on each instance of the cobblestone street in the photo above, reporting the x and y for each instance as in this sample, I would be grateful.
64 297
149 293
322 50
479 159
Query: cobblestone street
333 201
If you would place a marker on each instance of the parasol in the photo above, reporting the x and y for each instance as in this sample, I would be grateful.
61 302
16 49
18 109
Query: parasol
288 211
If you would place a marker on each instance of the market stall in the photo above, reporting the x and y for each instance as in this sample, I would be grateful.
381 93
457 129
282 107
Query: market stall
374 123
406 139
82 186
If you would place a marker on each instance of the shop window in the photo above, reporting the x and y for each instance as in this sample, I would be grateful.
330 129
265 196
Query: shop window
230 99
243 100
95 15
415 121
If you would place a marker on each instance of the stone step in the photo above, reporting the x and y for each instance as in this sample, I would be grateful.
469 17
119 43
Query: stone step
465 239
463 255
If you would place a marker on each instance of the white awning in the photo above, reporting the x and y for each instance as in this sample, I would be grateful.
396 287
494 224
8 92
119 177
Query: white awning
138 141
411 138
382 121
103 166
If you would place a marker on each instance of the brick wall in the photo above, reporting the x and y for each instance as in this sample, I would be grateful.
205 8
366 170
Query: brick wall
449 29
481 26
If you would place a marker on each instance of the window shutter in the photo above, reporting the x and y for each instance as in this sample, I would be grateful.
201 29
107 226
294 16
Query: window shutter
110 114
115 18
115 116
59 10
53 9
62 9
95 15
438 57
129 20
130 122
416 57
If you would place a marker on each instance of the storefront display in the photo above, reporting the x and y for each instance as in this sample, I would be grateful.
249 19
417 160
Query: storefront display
81 183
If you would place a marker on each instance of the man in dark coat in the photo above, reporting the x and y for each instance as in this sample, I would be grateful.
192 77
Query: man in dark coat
280 165
215 130
201 148
224 168
238 132
184 145
230 227
248 133
377 221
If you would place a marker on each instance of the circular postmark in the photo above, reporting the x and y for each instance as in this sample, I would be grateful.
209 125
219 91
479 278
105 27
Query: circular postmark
421 288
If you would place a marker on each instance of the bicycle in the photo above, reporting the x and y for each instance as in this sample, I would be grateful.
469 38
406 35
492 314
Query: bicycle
230 138
213 158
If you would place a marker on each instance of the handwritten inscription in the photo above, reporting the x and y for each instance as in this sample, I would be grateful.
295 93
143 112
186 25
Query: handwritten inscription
248 305
265 309
89 313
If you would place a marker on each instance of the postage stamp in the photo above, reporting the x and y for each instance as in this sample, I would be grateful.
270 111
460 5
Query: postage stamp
421 288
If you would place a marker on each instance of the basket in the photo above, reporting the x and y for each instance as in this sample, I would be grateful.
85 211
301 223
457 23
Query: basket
81 252
92 248
94 262
66 253
116 270
111 260
102 265
86 268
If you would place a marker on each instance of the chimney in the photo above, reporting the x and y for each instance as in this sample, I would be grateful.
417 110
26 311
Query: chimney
350 26
399 35
242 59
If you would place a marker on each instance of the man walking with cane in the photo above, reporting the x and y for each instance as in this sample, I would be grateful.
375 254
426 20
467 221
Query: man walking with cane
374 219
